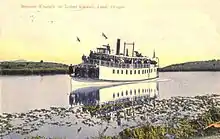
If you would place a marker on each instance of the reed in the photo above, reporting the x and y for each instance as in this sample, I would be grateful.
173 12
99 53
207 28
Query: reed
183 129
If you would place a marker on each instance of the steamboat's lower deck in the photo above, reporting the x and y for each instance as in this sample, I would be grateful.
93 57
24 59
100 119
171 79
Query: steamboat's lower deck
105 73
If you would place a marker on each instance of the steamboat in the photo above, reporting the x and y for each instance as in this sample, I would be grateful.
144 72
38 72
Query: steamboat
103 65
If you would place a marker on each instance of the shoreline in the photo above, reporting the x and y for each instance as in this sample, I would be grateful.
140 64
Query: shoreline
64 69
32 68
208 65
52 68
44 72
27 72
189 70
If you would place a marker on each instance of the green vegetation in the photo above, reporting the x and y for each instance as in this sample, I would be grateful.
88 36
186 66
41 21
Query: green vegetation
181 129
210 65
32 68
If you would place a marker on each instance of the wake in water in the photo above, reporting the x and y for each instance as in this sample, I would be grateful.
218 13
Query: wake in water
77 85
164 80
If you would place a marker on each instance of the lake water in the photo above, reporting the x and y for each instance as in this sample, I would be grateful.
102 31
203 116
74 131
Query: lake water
25 93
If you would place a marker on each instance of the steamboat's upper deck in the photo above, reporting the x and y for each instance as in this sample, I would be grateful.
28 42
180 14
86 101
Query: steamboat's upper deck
103 56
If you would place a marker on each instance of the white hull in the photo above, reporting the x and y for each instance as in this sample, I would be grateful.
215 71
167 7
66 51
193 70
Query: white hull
127 74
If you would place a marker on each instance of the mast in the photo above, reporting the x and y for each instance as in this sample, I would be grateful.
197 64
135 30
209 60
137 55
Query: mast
124 49
133 50
154 55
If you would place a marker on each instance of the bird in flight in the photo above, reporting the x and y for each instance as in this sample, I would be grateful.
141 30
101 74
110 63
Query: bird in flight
104 36
51 22
78 39
32 18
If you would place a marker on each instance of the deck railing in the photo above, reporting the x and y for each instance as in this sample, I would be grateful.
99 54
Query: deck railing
117 65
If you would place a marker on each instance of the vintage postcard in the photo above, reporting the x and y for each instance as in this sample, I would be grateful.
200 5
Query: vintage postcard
109 69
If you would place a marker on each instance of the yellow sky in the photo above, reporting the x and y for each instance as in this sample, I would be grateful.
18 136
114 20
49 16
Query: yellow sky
179 30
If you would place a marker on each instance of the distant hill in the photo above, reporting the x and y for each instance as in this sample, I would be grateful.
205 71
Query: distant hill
210 65
19 60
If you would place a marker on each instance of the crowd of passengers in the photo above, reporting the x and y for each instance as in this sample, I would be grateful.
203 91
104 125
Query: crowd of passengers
86 72
118 60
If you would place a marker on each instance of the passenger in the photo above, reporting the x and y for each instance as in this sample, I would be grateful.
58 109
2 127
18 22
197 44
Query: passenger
84 58
70 69
71 99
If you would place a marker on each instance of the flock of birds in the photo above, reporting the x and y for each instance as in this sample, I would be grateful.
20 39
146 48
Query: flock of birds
33 19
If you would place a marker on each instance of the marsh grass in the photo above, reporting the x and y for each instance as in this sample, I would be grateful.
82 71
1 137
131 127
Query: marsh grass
183 129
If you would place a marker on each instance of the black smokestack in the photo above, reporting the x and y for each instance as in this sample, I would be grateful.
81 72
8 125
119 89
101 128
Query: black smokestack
118 47
133 50
127 52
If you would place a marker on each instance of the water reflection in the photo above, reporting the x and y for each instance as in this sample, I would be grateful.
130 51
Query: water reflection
92 96
116 102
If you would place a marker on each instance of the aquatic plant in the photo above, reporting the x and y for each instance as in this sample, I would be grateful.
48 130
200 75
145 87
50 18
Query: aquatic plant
172 125
185 128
